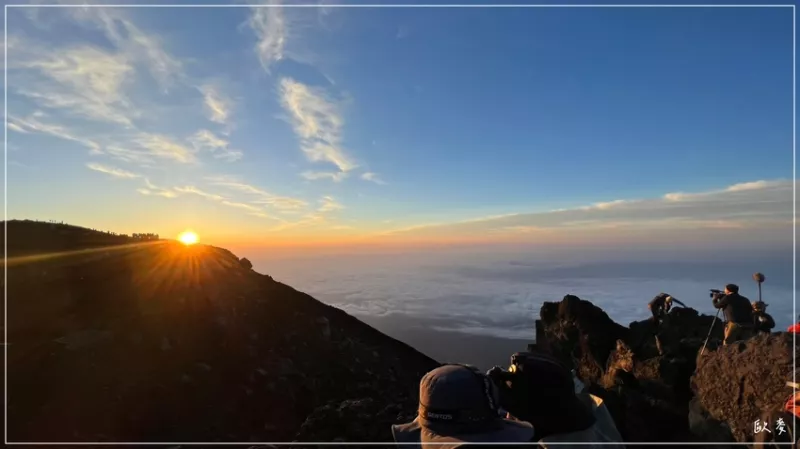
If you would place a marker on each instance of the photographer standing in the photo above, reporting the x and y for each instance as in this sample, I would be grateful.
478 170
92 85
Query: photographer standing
738 314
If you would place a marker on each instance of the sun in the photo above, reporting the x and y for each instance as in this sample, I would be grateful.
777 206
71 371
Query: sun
188 237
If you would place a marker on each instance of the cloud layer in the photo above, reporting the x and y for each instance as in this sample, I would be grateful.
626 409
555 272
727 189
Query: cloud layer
746 206
490 295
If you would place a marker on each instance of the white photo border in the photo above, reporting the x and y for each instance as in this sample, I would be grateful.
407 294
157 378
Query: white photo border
393 6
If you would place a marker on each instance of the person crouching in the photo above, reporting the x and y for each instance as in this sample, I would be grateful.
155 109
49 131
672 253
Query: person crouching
539 389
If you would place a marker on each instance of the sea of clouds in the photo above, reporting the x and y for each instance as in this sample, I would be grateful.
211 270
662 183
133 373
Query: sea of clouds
501 295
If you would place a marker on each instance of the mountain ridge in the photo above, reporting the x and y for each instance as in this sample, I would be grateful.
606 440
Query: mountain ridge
158 341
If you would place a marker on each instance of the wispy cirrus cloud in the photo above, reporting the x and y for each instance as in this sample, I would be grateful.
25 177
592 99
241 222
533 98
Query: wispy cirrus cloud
258 195
252 208
271 29
607 204
329 204
317 122
34 124
195 191
112 171
131 41
316 175
85 81
736 190
245 206
92 81
219 107
98 83
154 190
206 140
164 147
372 177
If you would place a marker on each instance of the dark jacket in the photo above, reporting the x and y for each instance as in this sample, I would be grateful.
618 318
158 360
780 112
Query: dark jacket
763 321
737 309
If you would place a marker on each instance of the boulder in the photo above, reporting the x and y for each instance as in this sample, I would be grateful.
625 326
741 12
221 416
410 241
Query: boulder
704 427
735 384
580 334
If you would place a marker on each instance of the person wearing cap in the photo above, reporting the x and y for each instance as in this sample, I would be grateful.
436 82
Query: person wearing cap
540 390
459 405
738 314
762 321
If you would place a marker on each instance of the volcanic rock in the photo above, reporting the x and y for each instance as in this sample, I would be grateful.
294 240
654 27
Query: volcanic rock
737 383
644 384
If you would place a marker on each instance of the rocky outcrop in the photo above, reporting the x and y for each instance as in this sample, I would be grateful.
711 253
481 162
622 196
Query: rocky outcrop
645 372
737 383
566 327
245 263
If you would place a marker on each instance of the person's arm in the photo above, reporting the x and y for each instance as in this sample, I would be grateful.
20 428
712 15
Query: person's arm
721 303
678 302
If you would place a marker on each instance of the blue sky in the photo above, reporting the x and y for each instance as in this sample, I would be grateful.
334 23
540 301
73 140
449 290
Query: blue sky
267 124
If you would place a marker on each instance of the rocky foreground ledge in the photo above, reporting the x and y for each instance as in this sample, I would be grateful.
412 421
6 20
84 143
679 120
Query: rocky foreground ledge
674 395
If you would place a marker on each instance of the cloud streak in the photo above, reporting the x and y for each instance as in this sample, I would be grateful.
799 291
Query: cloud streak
317 122
115 172
85 81
33 124
164 147
329 204
195 191
218 106
259 196
317 175
131 41
153 190
252 209
206 140
372 177
271 30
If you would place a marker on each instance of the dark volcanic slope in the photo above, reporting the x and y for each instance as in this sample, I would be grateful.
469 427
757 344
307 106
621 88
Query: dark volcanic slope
162 342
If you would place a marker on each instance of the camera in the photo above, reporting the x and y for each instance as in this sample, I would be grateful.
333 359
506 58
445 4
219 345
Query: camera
715 294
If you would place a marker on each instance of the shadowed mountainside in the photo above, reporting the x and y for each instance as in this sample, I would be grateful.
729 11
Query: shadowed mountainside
157 341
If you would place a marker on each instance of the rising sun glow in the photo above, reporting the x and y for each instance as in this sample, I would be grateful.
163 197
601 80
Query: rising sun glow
188 237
